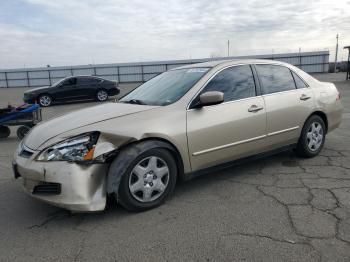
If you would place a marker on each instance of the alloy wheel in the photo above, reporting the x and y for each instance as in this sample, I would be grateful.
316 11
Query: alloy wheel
102 95
45 100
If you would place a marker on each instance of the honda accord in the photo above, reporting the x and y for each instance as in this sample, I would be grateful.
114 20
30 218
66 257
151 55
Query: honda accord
175 126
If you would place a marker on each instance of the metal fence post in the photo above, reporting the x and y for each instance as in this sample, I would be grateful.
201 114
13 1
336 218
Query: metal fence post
28 83
6 80
142 75
49 72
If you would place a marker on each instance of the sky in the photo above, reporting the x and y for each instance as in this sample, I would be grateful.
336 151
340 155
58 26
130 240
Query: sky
36 33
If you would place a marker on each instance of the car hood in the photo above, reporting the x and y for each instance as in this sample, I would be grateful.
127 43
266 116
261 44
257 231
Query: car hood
33 90
81 118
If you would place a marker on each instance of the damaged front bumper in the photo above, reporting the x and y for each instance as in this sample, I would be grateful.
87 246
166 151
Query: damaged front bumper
73 186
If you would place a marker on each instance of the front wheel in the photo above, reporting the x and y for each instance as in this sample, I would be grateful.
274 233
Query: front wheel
312 137
45 100
148 180
102 95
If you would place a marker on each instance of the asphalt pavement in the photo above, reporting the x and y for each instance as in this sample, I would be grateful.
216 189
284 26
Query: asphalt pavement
279 208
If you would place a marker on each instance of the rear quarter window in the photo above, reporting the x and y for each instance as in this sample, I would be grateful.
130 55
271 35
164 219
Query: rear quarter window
298 81
275 78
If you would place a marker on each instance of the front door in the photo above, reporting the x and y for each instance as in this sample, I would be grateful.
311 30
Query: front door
233 129
66 89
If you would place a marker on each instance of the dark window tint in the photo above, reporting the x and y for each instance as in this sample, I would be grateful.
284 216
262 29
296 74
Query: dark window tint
236 82
299 83
70 81
86 80
275 78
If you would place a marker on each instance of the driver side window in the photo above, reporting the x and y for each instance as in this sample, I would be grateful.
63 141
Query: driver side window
69 81
236 82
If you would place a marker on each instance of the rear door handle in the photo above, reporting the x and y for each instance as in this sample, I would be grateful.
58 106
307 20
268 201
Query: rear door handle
255 108
304 97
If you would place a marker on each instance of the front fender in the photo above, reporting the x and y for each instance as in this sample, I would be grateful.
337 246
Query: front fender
125 157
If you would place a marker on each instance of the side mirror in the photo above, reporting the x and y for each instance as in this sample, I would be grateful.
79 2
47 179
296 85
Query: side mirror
210 98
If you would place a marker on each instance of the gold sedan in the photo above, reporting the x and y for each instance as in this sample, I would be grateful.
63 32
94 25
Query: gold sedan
175 126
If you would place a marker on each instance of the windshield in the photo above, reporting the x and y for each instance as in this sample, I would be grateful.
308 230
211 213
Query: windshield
165 88
59 82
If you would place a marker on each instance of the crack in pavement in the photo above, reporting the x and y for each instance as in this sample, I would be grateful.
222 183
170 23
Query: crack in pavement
58 215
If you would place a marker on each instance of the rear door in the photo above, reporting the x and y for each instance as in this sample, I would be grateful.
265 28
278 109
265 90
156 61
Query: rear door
287 106
233 129
86 87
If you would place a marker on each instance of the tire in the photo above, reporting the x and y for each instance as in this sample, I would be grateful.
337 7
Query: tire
45 100
101 95
22 131
151 185
312 137
4 131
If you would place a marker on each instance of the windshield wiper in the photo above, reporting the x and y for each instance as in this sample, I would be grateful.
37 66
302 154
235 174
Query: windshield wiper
135 101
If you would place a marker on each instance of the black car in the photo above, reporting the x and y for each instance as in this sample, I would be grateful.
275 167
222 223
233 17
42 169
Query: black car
72 88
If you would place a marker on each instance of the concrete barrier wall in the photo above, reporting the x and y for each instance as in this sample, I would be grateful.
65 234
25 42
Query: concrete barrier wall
311 62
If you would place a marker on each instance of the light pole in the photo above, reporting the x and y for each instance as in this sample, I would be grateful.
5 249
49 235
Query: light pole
336 55
228 48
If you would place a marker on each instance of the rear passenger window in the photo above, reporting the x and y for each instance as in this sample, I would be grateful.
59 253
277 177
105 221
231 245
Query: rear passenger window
236 82
275 78
299 83
85 80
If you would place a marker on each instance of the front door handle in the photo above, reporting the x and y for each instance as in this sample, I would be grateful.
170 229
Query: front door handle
304 97
255 108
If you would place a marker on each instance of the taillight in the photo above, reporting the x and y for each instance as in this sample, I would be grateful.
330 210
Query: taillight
338 95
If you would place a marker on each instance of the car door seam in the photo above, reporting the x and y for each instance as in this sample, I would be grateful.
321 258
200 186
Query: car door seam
244 141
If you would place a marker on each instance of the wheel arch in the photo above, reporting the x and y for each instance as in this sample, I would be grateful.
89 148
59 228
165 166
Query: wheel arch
128 152
44 94
322 115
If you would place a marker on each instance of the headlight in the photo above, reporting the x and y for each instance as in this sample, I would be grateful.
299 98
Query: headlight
79 148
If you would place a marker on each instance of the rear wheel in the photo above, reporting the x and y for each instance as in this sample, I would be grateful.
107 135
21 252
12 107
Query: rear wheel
312 137
4 131
22 131
148 180
102 95
45 100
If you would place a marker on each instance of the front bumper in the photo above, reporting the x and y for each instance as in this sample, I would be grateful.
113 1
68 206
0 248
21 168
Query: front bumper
82 188
29 99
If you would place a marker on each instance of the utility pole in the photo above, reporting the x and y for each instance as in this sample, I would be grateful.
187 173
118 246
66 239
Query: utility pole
336 55
228 48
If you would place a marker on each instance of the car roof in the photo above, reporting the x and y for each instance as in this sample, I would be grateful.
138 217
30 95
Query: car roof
228 62
88 76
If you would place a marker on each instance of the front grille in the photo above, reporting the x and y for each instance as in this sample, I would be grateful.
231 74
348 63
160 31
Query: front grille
45 188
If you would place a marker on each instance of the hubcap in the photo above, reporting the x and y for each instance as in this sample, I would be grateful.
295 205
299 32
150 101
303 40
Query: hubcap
45 100
102 95
149 179
314 136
